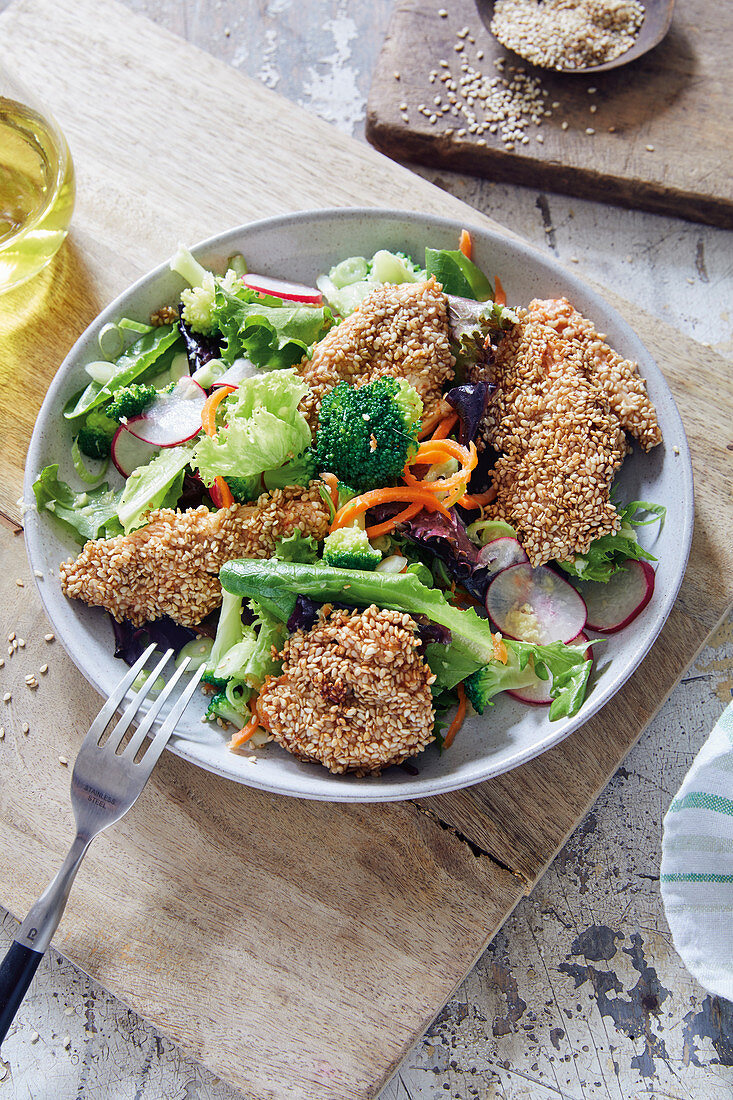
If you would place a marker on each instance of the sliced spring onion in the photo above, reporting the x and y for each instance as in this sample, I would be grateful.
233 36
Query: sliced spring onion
100 371
395 563
179 366
128 325
237 263
110 341
83 472
199 650
142 678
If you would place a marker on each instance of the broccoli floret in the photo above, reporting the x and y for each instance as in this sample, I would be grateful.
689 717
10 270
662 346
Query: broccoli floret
131 401
96 435
213 681
220 707
245 489
367 433
349 548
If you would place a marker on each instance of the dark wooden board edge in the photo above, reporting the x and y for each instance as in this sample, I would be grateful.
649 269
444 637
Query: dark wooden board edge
418 143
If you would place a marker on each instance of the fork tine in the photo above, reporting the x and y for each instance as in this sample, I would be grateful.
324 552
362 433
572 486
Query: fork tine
143 729
165 732
133 707
99 724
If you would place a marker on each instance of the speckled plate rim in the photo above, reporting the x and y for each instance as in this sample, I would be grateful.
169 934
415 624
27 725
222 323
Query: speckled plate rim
281 774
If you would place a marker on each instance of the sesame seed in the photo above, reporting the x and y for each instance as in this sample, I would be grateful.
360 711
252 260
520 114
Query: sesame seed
38 573
561 35
49 637
7 697
564 125
589 130
19 583
21 643
64 760
649 148
2 733
25 728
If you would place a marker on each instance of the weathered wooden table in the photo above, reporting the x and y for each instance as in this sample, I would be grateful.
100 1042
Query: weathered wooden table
581 994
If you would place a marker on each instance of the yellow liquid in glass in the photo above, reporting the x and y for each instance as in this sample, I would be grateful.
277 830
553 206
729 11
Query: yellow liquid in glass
36 192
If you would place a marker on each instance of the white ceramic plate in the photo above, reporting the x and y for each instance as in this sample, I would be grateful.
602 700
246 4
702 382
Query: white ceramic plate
298 247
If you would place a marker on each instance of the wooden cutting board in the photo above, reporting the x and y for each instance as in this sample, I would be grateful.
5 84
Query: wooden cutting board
671 149
295 948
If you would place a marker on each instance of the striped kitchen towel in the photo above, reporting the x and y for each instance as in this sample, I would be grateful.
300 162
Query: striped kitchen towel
697 863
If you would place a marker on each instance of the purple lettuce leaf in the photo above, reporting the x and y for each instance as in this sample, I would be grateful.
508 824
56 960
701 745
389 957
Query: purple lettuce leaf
131 641
470 401
448 540
199 349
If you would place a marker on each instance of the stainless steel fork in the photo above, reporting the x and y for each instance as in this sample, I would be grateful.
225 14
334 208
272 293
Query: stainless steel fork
104 785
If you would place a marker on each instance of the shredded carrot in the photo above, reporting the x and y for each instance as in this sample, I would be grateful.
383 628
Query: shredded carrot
500 653
358 505
459 718
208 413
246 732
499 292
435 452
333 487
390 524
466 244
445 427
225 493
473 501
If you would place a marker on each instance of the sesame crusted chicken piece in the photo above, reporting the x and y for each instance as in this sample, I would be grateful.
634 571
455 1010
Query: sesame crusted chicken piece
401 331
618 378
560 443
170 566
354 694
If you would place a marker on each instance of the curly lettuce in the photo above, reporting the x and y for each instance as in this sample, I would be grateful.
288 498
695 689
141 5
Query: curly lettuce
263 429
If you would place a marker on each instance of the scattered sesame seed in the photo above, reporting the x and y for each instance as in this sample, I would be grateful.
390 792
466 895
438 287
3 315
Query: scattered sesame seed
397 76
64 760
690 280
38 573
442 13
66 1042
676 450
49 637
2 733
21 643
458 47
35 1036
649 148
69 1010
7 697
593 108
2 662
612 129
25 728
574 260
589 130
564 125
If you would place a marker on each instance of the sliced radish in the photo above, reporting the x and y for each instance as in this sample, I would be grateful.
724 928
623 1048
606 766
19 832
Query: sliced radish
535 605
239 370
278 288
613 605
129 452
173 417
501 554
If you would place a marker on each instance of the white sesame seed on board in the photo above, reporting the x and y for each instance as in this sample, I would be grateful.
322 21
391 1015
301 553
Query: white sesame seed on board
49 637
7 697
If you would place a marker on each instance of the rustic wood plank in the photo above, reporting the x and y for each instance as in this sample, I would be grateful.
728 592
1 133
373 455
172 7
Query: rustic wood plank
674 99
233 889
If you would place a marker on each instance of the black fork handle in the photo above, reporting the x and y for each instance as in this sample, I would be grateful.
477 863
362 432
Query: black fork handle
16 974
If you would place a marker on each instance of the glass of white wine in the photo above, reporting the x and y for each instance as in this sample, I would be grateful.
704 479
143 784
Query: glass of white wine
36 184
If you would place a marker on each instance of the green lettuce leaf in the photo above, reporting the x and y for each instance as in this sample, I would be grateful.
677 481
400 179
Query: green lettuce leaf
263 329
607 554
263 428
90 514
457 274
135 361
157 485
566 664
243 652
